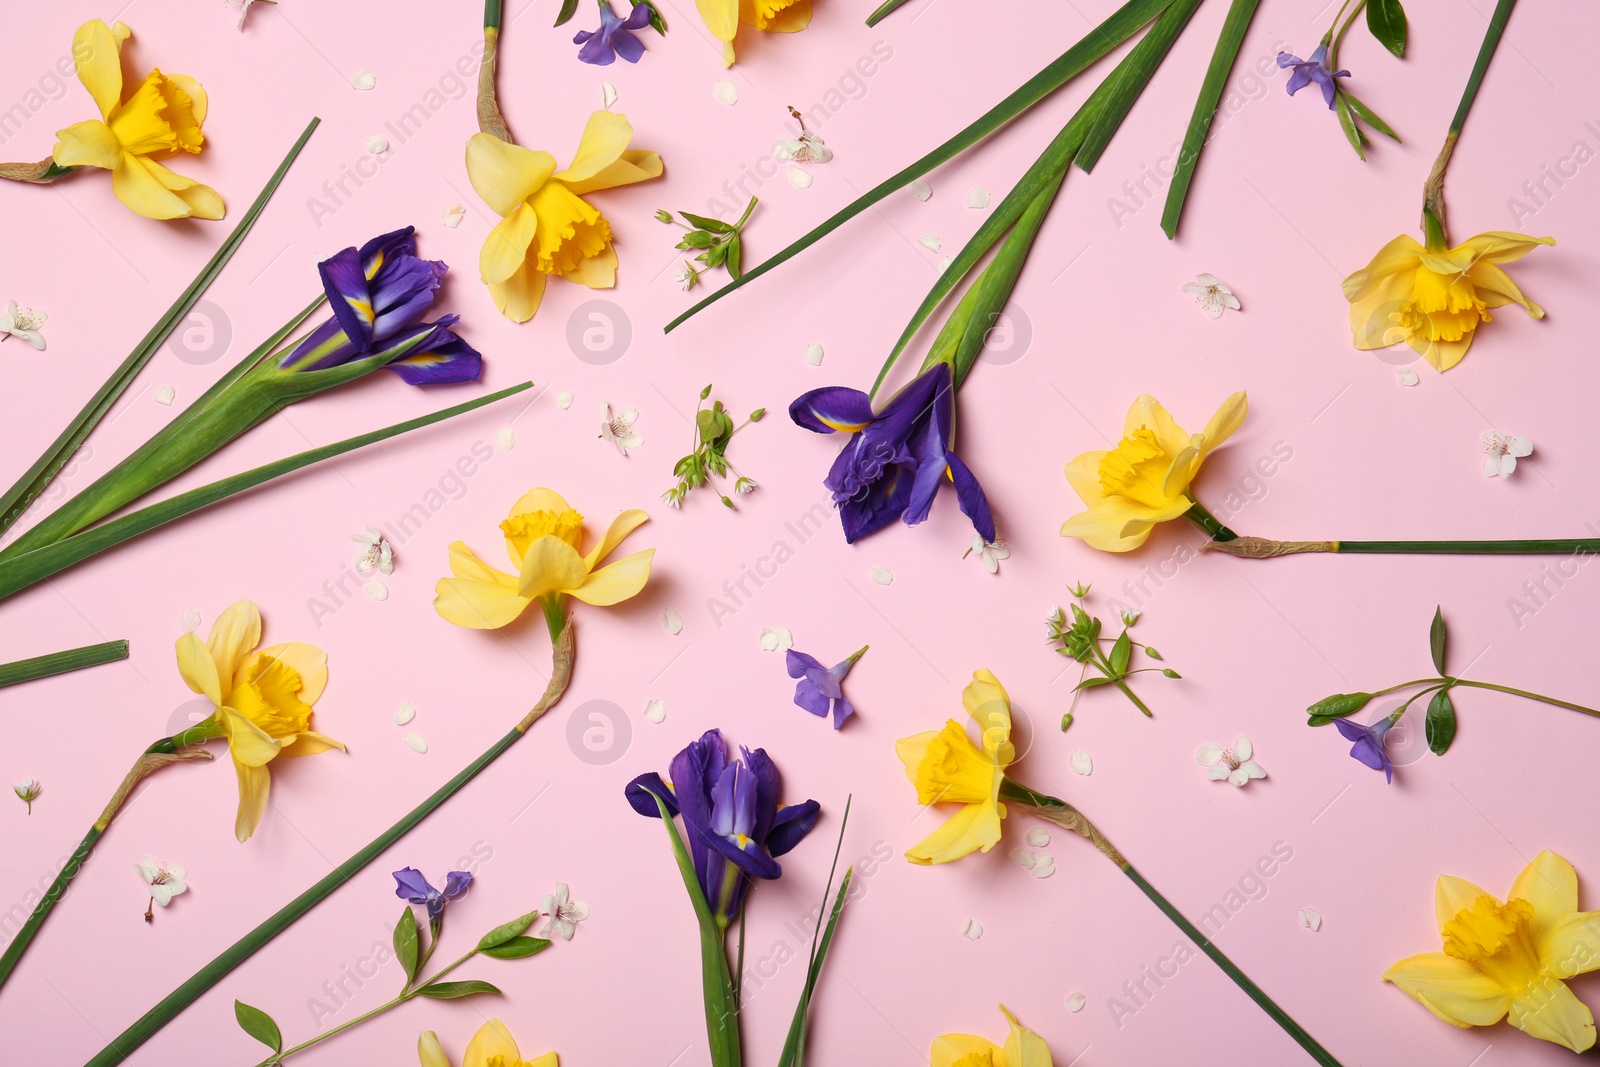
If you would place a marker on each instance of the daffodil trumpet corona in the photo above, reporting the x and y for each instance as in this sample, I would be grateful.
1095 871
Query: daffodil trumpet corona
556 604
947 767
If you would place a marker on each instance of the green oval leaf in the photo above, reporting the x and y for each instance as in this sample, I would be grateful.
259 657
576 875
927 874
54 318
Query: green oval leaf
1090 683
456 990
1437 640
1121 649
505 932
259 1025
406 943
1440 725
1338 706
1387 21
517 948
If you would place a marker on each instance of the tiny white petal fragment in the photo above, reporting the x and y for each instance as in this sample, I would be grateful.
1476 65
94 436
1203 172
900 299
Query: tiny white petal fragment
944 263
777 639
921 190
726 93
978 197
655 711
1023 858
1044 868
1075 1002
973 931
407 712
453 215
1081 763
363 80
189 621
799 177
881 575
671 622
377 145
930 241
506 439
1311 919
165 395
416 743
563 400
608 94
1405 376
1038 837
814 355
376 589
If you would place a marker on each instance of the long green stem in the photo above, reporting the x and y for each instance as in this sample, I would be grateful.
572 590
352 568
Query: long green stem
1433 213
1266 548
72 659
147 1025
1524 693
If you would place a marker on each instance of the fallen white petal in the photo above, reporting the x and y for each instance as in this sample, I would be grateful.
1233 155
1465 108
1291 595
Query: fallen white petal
377 145
725 92
778 639
1405 375
881 575
165 395
416 743
921 190
1023 858
189 621
1081 763
1038 837
506 439
799 177
1311 919
407 712
1044 868
1075 1002
608 94
944 263
453 215
563 400
814 355
363 80
671 621
973 931
930 242
978 197
376 589
655 711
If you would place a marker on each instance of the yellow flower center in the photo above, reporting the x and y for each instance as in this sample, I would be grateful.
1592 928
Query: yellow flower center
157 119
975 1059
1443 307
1494 938
522 530
953 771
1137 469
269 696
763 12
570 230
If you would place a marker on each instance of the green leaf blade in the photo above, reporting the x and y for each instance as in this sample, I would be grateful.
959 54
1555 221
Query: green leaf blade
406 944
1438 641
1440 723
457 990
259 1025
1387 21
517 948
1121 650
72 659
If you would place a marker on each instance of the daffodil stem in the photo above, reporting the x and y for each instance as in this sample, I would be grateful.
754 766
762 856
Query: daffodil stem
1207 522
126 1043
1265 548
72 659
1060 813
1433 215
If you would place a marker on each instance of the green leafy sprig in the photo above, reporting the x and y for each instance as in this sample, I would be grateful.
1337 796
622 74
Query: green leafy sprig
713 430
1083 640
1439 723
657 23
719 242
1387 21
413 949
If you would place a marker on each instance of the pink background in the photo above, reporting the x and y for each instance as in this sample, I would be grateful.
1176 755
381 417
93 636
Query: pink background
1280 209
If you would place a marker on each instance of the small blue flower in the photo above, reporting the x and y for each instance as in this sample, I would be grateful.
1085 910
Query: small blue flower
1311 70
412 887
821 689
614 37
1368 748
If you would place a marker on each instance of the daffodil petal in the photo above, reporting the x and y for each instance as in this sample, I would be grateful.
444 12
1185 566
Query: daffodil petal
1452 989
429 1052
1571 945
1024 1048
1147 411
198 669
721 18
1451 895
605 138
505 174
989 705
519 296
634 165
310 743
1399 256
1083 474
539 499
492 1042
1551 885
97 53
950 1049
505 250
464 563
87 144
791 19
155 192
478 605
234 636
1551 1012
617 581
621 526
550 565
975 828
598 271
912 750
1103 525
1499 246
255 783
249 744
1228 419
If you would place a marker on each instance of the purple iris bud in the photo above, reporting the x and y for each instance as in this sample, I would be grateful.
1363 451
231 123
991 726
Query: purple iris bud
1368 744
734 826
896 459
1311 70
821 689
411 886
615 36
379 294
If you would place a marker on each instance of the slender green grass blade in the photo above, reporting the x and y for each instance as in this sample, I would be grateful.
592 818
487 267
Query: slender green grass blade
1480 66
1121 25
1205 109
1369 116
884 10
1352 132
38 477
1128 81
72 659
794 1047
21 571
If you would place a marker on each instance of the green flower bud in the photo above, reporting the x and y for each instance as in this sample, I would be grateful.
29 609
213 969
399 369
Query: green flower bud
663 215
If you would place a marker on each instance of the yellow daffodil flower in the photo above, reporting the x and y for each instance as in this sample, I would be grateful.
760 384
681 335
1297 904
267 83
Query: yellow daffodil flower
491 1046
263 700
544 541
946 767
1434 299
546 227
1507 961
722 18
161 117
1023 1048
1145 479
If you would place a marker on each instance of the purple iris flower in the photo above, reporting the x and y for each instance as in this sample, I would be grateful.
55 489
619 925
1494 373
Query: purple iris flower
1368 748
734 826
410 885
896 459
614 37
378 294
1311 70
821 689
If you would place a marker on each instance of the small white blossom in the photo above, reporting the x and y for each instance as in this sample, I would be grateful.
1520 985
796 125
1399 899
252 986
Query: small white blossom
686 276
1501 453
1212 294
1130 616
1233 764
809 148
565 914
990 552
617 428
27 791
165 880
23 323
377 554
244 13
